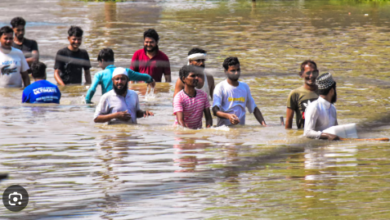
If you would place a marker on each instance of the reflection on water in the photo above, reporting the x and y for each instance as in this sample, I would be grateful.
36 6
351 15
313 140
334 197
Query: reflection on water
73 168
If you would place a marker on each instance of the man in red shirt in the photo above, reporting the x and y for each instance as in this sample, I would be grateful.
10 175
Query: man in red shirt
150 59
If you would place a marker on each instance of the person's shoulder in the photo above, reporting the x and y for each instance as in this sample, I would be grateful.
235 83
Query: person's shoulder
132 92
29 41
220 84
201 92
63 50
108 94
138 52
83 51
16 51
244 85
162 55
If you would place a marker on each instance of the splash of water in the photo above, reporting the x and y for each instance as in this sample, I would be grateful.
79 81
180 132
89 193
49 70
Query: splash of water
150 96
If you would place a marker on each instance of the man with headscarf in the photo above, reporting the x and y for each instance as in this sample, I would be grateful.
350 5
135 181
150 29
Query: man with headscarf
120 105
197 57
321 114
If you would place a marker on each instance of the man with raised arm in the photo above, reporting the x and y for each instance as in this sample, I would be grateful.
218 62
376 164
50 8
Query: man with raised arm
27 46
321 114
197 57
231 97
150 59
71 60
104 77
13 64
120 105
301 97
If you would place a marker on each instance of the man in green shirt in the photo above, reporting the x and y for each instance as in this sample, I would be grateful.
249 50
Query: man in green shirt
301 97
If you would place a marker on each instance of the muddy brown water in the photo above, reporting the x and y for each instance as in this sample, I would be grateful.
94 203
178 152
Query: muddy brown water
75 169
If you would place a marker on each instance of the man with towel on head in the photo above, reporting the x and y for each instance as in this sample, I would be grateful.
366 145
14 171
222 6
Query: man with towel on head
120 105
197 57
321 114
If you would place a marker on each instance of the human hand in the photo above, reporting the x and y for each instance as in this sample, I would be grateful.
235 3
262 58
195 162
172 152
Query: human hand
264 124
125 116
234 119
148 113
332 137
152 84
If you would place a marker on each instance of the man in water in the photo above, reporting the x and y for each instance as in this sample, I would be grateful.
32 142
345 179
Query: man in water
71 60
104 77
321 114
190 104
13 64
150 59
301 97
119 105
231 97
27 46
197 57
41 91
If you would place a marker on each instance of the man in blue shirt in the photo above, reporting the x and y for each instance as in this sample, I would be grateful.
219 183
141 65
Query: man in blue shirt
104 77
41 91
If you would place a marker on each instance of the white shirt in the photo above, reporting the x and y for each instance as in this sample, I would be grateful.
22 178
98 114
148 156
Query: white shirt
11 65
233 100
112 103
205 87
319 115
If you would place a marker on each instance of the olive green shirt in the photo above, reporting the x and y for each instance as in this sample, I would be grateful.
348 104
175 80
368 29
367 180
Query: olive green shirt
298 100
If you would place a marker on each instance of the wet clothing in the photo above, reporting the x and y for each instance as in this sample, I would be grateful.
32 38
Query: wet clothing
112 103
11 66
206 87
26 47
320 115
104 78
155 67
192 108
71 63
41 91
298 100
233 100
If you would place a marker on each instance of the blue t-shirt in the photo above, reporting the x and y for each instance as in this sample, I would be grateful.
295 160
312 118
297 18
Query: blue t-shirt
41 91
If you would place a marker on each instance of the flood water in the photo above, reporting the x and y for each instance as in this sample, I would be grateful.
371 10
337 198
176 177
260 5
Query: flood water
75 169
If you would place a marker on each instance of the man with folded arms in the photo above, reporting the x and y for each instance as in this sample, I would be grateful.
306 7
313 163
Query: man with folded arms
321 114
119 105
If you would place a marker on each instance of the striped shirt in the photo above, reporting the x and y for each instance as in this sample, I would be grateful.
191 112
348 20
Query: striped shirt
192 108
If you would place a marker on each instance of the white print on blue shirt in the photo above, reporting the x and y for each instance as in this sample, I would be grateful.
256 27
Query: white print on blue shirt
44 90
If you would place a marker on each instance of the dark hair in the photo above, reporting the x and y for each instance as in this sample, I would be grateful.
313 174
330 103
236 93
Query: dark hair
196 50
187 69
75 31
230 61
326 91
106 54
17 22
38 70
152 34
311 63
5 30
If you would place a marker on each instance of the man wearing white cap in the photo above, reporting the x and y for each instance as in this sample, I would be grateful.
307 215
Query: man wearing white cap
321 114
197 57
120 105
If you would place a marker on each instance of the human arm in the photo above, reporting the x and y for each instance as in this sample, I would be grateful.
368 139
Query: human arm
124 116
87 73
232 117
167 71
209 119
259 116
92 89
289 118
136 76
144 114
180 118
57 77
134 65
311 117
34 58
178 87
26 78
167 78
210 80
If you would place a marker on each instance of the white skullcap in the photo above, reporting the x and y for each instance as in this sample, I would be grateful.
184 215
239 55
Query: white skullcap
119 71
325 81
196 56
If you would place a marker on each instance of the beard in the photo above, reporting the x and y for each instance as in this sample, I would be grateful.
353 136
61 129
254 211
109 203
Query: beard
334 98
20 36
121 91
152 50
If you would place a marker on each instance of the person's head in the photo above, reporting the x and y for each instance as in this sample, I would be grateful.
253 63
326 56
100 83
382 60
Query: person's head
6 37
75 36
151 40
105 57
232 68
18 25
327 87
38 70
309 72
120 80
197 57
189 75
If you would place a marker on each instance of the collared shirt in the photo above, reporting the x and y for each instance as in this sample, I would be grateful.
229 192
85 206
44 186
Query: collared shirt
112 103
104 78
155 67
319 116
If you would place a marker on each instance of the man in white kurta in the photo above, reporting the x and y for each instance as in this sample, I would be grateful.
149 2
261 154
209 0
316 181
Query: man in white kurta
321 114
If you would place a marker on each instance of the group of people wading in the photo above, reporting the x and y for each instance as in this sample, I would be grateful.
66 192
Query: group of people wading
194 90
